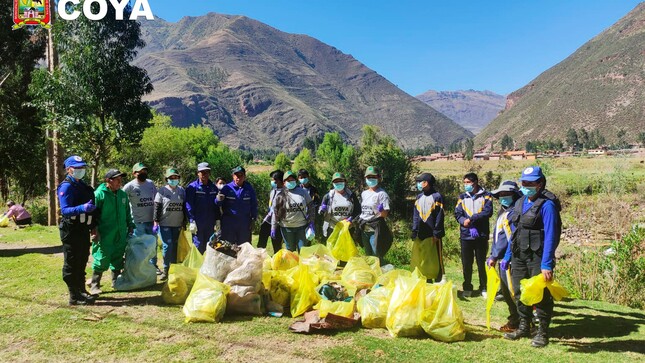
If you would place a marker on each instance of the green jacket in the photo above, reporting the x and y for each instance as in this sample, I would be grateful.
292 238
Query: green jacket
114 216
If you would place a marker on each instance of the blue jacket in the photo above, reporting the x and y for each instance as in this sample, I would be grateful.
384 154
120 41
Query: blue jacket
478 208
72 195
240 203
200 202
502 234
430 224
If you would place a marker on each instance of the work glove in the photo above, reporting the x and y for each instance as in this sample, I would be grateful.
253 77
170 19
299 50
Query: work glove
414 234
491 262
349 219
473 232
504 265
155 229
193 228
323 209
89 207
273 233
380 208
221 197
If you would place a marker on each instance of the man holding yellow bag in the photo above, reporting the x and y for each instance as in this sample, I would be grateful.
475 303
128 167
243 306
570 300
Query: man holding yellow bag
428 229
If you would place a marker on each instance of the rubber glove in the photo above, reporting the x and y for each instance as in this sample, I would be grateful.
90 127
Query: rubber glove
491 262
89 207
323 209
155 229
349 219
380 208
473 232
193 228
414 234
504 265
273 233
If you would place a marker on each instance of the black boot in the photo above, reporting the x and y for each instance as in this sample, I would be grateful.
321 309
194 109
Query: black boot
95 285
541 339
75 297
85 294
115 274
523 331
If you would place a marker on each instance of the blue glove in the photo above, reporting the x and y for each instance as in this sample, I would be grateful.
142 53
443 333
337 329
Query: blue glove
473 232
89 207
155 229
414 234
380 208
273 233
349 219
504 265
311 225
491 262
323 209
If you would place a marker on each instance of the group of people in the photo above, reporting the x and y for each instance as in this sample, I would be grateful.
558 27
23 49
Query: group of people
525 235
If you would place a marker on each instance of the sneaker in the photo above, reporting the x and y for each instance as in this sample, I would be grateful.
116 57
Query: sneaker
509 327
484 294
468 293
499 297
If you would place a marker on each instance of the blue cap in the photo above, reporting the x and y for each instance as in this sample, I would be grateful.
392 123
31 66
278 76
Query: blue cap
74 161
531 174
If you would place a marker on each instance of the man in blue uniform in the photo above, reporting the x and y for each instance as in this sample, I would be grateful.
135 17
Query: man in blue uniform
473 210
201 208
538 226
76 204
239 208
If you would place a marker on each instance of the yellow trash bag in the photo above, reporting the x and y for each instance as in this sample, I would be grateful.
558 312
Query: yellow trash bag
340 308
280 289
183 245
388 278
373 307
357 275
318 258
284 260
194 259
425 257
340 242
207 300
532 290
492 285
375 264
180 280
303 292
4 221
406 307
444 320
431 293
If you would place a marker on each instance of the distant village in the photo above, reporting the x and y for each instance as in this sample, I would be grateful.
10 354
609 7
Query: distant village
634 150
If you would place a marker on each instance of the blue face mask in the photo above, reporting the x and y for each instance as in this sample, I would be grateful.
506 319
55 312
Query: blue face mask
469 188
506 201
371 182
304 180
78 173
419 186
528 191
339 186
274 185
291 184
173 182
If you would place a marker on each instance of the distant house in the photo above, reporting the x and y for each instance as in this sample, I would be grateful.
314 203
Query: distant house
596 152
531 156
494 156
456 156
516 155
481 156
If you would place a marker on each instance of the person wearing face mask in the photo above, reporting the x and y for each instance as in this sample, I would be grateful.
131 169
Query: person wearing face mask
220 183
141 193
170 215
507 194
201 208
239 205
77 209
293 213
114 224
305 183
428 219
338 204
473 211
375 235
265 228
538 226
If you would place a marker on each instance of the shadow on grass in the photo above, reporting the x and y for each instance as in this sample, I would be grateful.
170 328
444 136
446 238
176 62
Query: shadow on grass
15 252
636 346
128 300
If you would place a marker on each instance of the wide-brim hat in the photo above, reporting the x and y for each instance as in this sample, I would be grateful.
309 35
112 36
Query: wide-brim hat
506 186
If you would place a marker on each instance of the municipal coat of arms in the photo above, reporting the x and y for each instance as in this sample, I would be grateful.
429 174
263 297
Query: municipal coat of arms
31 12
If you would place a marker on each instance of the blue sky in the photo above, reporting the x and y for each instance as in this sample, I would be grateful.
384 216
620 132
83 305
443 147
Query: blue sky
499 45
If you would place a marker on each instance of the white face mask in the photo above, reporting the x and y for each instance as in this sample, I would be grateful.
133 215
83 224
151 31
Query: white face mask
220 186
78 173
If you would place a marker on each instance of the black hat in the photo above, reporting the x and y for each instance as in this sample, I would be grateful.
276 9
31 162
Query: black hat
302 172
113 173
238 169
277 175
425 177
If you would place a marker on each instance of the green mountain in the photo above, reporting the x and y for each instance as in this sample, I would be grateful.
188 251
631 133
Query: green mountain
469 108
258 87
600 86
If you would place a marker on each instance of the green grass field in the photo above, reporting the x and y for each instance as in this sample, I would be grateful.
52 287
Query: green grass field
36 325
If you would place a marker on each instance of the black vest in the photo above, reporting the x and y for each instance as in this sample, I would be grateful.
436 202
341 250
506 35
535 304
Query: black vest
529 232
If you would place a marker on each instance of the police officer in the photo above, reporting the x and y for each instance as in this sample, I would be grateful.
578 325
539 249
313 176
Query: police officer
201 208
473 210
239 208
141 192
76 204
538 225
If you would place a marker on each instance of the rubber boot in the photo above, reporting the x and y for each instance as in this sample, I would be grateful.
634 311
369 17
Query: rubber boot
95 285
115 274
541 339
85 294
523 331
75 297
164 275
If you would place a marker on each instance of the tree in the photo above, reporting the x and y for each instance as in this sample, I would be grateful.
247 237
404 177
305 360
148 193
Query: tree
97 92
572 140
305 160
380 150
21 136
584 140
641 138
334 155
507 143
282 162
622 143
469 151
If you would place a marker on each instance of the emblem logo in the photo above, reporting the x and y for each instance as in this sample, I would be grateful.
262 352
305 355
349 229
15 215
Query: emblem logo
31 12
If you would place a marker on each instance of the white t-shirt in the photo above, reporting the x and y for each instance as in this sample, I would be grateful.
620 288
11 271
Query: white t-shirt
370 201
340 207
297 201
142 200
